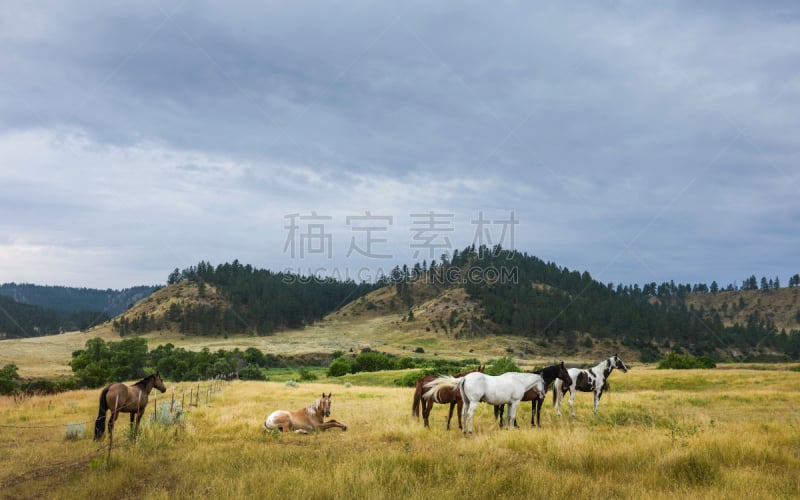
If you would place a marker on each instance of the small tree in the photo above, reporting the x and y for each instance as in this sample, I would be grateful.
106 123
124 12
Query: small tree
9 379
340 366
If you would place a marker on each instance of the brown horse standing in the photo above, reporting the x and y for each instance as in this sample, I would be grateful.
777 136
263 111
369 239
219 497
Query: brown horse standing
306 419
119 397
452 396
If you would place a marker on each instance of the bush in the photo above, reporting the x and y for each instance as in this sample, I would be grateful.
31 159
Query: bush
306 375
501 366
74 432
409 379
675 361
371 361
251 372
165 417
340 366
9 379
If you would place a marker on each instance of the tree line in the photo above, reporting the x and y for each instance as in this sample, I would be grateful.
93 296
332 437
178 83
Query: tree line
100 363
20 320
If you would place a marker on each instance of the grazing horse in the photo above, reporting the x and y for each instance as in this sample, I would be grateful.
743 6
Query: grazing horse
476 387
132 399
310 418
549 374
445 396
591 380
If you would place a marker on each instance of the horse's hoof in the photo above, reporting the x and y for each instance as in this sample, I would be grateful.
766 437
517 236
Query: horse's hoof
344 428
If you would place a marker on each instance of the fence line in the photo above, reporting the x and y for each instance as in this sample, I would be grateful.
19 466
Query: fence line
208 388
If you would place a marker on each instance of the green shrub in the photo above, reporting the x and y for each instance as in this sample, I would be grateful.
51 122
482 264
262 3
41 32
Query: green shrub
501 366
410 379
9 379
306 375
676 361
340 366
251 372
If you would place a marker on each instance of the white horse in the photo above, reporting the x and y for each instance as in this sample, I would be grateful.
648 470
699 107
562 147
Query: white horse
591 380
475 387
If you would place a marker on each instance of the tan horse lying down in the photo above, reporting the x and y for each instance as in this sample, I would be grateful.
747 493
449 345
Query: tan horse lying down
305 419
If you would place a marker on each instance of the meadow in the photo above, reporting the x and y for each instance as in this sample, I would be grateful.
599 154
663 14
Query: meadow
731 432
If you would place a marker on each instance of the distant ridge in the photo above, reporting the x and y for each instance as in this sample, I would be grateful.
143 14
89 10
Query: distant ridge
69 299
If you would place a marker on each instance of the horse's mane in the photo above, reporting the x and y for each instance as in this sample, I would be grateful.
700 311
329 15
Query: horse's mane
143 382
314 407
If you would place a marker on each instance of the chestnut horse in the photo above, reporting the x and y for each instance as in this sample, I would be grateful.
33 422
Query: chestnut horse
452 396
119 397
305 419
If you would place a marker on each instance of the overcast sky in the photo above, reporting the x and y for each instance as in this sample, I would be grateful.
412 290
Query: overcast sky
639 141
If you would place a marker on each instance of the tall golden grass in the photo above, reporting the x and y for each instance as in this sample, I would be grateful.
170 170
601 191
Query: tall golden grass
659 434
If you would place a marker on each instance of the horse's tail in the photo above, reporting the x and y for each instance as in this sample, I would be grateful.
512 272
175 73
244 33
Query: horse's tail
417 399
437 384
100 422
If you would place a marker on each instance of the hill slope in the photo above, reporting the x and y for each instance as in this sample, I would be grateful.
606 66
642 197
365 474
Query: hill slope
780 306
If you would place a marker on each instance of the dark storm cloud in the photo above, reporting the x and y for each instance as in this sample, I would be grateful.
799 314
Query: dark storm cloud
642 142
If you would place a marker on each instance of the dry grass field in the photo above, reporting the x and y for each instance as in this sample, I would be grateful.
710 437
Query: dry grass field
723 433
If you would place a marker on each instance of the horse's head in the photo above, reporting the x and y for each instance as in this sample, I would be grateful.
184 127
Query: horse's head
617 363
158 383
325 404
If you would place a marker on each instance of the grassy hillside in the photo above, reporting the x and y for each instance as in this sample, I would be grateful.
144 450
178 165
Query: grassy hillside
781 306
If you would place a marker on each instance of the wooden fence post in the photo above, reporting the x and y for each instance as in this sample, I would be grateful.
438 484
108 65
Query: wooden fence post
111 429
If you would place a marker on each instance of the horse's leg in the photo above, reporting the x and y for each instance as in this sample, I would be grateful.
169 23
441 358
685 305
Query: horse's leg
450 414
331 423
539 404
572 401
533 411
597 400
137 420
460 405
512 414
427 405
469 411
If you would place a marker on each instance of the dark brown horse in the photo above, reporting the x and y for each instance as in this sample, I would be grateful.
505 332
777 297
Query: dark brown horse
452 396
310 418
549 374
132 399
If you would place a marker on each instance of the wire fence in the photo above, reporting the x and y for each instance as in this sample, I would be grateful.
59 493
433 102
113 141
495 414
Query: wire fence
167 410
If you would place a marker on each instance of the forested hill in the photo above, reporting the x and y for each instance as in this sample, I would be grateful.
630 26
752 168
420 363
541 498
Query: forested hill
236 298
529 297
69 299
19 320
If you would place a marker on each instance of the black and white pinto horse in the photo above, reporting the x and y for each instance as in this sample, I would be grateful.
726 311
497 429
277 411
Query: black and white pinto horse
591 380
